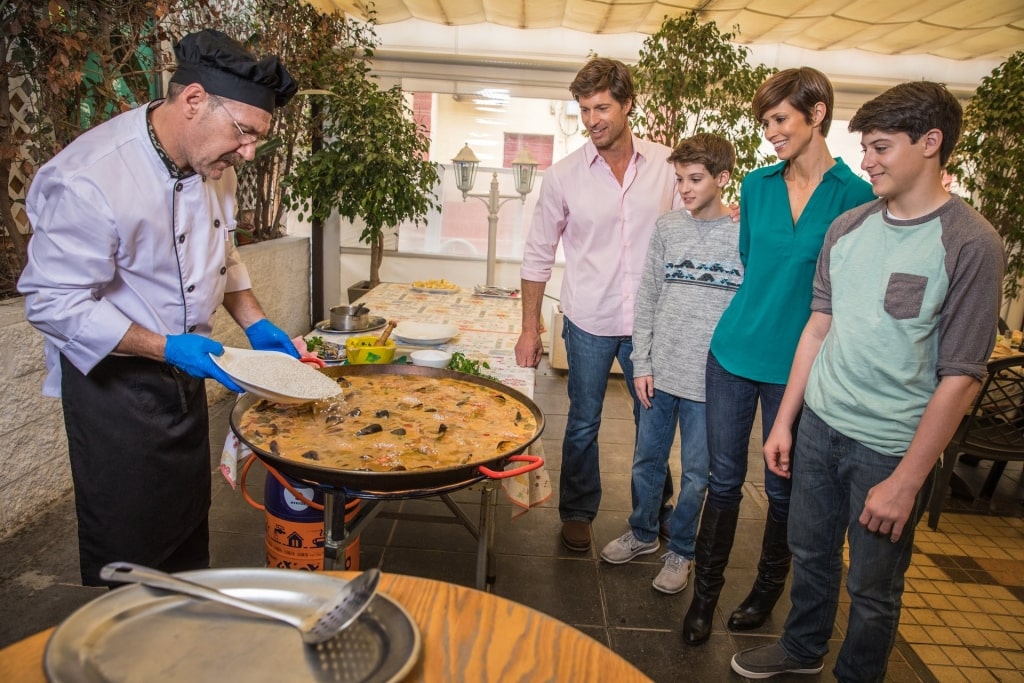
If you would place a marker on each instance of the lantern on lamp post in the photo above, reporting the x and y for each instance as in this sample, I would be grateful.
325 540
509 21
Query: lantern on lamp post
524 171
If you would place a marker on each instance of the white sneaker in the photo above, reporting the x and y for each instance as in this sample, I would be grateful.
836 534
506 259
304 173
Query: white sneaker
674 575
626 547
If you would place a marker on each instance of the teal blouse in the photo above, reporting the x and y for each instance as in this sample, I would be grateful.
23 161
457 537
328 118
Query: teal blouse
758 333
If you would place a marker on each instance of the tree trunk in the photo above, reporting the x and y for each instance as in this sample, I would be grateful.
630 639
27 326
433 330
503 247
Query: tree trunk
376 256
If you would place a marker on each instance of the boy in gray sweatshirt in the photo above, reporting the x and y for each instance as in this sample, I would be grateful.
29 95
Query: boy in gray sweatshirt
693 269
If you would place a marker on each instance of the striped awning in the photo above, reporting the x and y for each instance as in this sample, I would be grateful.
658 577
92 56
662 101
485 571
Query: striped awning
954 29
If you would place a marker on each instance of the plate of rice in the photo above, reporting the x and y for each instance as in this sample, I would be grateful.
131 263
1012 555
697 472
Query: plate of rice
276 376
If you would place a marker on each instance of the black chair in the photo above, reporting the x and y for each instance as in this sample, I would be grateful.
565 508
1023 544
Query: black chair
992 430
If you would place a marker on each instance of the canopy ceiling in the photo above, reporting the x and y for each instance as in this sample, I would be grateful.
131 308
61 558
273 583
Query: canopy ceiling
954 29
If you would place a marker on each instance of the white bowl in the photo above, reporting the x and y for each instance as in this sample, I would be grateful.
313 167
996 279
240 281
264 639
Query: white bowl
431 358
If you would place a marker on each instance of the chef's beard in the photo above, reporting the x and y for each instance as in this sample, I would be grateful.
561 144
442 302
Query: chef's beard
235 159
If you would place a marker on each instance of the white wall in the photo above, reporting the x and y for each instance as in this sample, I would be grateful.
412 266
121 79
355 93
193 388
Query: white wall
35 464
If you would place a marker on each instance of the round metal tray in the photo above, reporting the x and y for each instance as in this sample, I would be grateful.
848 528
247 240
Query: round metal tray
141 634
372 323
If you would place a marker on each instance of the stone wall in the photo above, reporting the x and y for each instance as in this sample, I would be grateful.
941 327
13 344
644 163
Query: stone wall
35 470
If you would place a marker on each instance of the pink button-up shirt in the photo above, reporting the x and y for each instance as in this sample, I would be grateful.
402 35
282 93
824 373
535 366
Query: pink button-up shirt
604 228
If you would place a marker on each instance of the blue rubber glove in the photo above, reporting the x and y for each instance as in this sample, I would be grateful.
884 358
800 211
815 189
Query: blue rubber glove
191 354
265 336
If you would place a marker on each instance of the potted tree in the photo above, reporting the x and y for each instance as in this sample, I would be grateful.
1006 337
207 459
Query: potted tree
988 160
316 46
370 162
690 78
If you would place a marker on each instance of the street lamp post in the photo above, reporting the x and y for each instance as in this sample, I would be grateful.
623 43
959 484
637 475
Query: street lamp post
524 170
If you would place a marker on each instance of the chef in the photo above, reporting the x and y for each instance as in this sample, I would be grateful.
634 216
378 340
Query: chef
132 252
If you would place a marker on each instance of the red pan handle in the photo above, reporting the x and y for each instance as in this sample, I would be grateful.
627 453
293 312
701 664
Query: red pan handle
535 463
280 479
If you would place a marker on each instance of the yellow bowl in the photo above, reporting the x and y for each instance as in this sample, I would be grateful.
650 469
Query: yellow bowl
364 351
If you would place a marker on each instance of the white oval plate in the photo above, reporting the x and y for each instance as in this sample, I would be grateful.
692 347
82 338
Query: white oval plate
424 334
244 366
436 290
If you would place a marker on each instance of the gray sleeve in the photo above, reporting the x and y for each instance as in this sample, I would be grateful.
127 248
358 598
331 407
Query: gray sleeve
976 263
647 304
821 297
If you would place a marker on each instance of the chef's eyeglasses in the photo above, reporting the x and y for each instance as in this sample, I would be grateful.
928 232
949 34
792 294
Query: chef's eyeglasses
243 137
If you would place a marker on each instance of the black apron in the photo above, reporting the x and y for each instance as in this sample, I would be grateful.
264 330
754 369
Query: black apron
139 444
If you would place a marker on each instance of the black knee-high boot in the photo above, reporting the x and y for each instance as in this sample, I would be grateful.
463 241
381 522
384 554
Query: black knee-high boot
772 569
714 542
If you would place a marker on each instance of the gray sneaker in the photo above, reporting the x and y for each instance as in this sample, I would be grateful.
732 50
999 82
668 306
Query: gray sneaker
674 575
770 660
626 547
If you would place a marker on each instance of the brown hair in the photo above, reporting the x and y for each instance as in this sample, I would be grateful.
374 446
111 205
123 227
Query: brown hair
715 152
913 108
600 74
803 88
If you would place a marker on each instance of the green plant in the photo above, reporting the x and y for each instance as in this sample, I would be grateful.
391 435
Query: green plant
370 161
691 79
315 47
989 160
460 363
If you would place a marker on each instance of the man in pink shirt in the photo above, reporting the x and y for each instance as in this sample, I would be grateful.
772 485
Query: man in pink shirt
601 202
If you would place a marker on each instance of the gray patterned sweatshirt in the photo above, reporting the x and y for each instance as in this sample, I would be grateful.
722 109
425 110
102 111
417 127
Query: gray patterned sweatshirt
693 270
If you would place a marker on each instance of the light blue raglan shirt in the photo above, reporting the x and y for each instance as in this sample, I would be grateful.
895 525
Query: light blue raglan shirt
911 301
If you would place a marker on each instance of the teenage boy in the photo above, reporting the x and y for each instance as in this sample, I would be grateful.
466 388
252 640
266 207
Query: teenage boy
693 269
906 298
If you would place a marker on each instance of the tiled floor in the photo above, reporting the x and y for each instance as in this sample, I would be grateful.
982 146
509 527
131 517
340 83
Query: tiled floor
964 615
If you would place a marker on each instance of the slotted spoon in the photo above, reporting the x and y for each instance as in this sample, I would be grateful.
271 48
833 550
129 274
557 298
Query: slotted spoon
326 622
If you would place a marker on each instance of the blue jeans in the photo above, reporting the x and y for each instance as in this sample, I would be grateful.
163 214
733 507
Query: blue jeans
590 361
831 478
655 433
731 407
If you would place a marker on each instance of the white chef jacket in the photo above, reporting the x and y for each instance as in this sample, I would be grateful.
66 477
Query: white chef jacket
117 240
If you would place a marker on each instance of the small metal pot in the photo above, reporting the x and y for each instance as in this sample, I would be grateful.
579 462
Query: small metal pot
349 318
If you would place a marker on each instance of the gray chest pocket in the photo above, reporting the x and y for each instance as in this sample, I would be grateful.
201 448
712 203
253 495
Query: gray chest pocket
904 295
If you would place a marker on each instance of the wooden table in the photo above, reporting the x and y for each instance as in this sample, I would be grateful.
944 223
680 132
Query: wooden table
468 635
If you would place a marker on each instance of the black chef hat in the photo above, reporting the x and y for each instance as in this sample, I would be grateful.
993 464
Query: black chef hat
225 68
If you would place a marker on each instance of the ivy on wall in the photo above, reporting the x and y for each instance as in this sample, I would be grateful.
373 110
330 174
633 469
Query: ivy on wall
72 64
65 66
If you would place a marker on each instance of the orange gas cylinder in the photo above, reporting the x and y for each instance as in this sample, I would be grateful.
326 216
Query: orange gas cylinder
294 518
